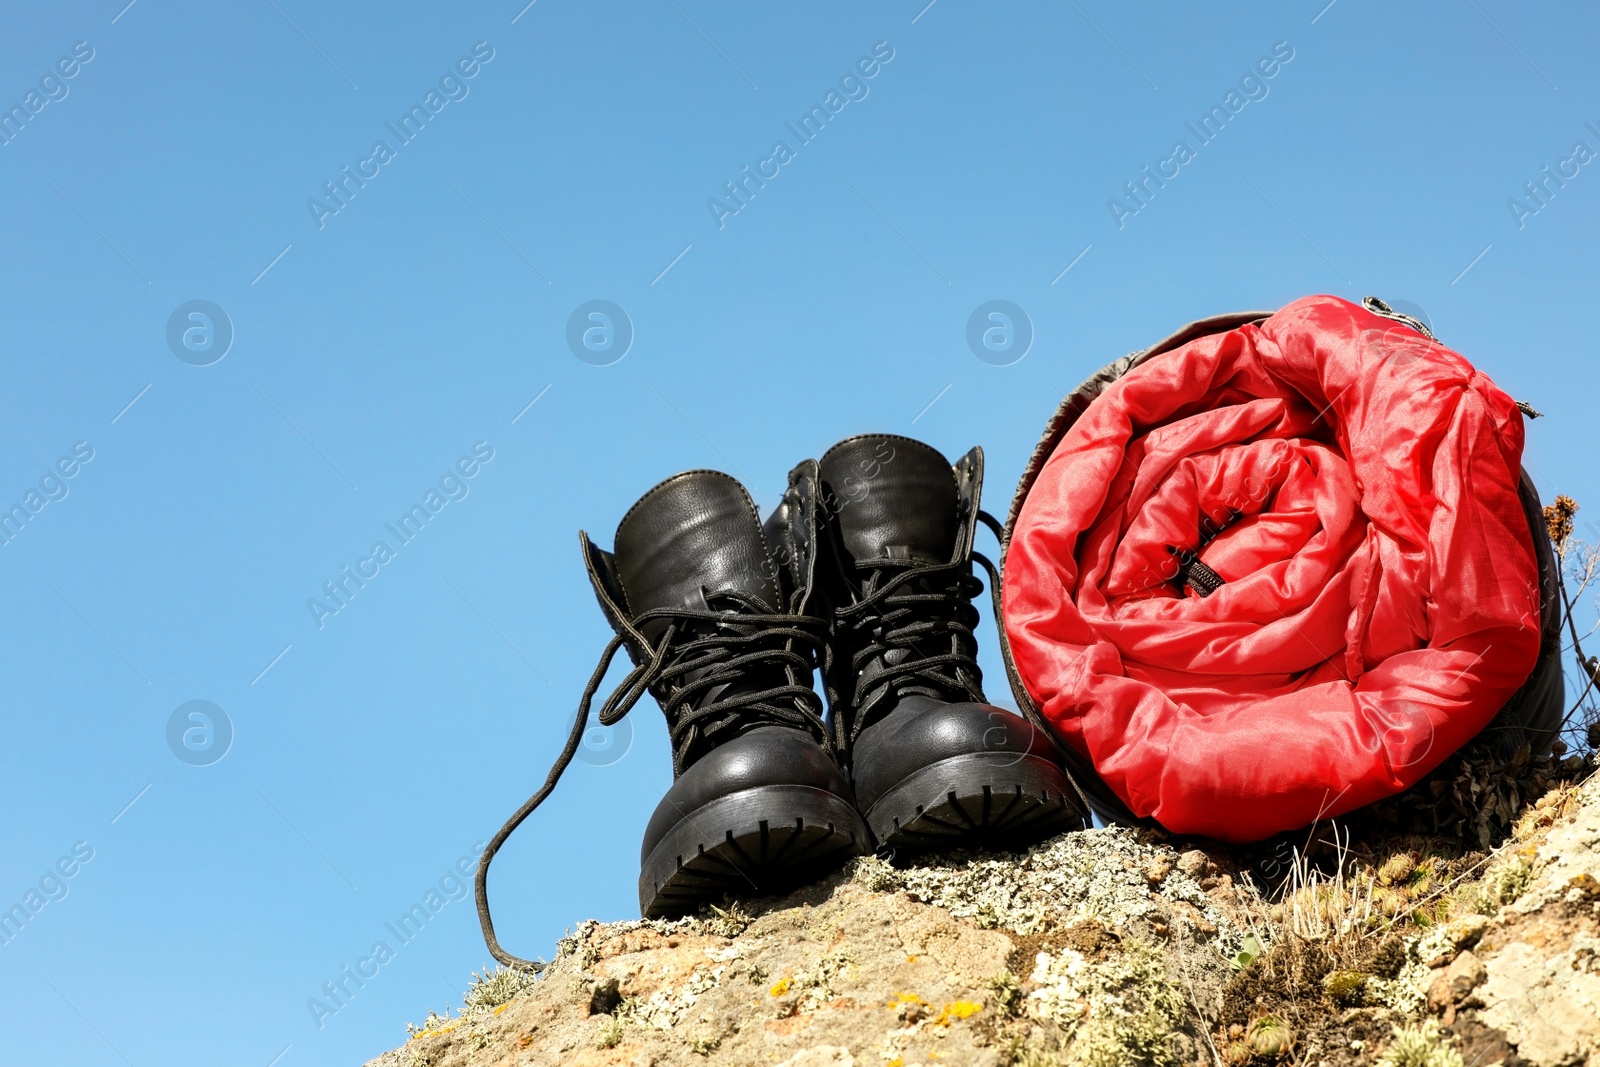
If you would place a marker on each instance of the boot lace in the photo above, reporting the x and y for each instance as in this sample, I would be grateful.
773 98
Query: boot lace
702 655
908 632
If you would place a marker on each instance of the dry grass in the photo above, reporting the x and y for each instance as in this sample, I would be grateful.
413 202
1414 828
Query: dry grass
1327 908
1351 926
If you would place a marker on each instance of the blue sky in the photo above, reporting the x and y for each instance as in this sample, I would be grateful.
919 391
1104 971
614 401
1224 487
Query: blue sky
376 347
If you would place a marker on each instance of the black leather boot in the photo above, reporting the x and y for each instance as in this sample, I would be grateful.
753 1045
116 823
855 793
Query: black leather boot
933 763
758 801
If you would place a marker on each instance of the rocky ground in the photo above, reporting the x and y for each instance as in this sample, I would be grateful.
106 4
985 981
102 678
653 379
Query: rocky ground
1109 947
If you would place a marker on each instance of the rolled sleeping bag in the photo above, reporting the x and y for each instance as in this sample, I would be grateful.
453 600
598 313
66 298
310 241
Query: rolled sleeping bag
1279 566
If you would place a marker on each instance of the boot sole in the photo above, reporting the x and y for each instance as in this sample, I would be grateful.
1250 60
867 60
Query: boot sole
983 800
751 843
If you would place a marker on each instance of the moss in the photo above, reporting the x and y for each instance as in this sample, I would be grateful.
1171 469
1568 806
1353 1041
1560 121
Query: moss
817 984
1347 989
1064 987
1145 1038
433 1025
1472 900
1436 945
665 1008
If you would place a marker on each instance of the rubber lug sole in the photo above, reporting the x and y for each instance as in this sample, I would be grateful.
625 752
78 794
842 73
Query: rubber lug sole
983 800
751 843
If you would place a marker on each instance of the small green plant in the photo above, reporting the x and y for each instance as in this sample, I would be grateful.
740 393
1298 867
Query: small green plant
730 921
1402 881
875 874
1470 899
433 1022
1018 1053
1511 881
704 1044
1007 993
1419 1046
610 1032
1249 951
496 986
1390 958
1269 1038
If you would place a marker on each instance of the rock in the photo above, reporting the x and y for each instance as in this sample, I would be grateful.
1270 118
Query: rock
1582 889
1548 1009
972 955
1098 947
605 998
1468 930
1440 947
622 1056
821 1056
1463 975
1570 851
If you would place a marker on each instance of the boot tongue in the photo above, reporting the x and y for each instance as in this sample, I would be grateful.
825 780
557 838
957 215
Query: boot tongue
895 498
691 539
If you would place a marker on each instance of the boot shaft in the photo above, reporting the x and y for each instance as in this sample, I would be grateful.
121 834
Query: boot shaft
897 523
693 589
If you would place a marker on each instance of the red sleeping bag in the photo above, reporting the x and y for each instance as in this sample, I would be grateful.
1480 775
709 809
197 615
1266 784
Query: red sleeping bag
1354 486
